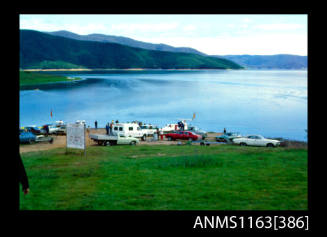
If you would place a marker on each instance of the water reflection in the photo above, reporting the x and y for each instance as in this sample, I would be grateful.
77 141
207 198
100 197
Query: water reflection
271 103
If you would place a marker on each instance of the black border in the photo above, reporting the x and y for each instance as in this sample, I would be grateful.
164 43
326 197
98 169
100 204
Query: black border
160 221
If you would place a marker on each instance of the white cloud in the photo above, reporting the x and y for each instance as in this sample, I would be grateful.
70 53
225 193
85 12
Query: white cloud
143 27
255 44
189 28
279 26
247 20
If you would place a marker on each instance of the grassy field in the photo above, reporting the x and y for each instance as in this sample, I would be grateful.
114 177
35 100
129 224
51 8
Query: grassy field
167 177
33 78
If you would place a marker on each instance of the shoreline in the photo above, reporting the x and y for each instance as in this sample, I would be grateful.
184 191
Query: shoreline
121 69
152 69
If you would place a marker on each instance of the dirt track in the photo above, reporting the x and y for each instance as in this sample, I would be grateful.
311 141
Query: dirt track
60 141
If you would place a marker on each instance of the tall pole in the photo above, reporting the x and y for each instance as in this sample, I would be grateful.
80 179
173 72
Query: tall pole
84 141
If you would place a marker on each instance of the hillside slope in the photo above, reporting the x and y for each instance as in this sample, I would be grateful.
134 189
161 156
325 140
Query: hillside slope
125 41
278 61
41 50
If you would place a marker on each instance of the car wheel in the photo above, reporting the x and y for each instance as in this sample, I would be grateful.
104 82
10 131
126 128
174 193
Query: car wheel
243 144
270 145
169 139
190 139
133 143
144 137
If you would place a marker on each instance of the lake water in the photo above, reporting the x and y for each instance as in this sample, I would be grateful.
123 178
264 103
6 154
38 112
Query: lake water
272 103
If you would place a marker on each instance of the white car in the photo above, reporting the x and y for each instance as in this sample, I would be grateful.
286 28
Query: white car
256 140
53 129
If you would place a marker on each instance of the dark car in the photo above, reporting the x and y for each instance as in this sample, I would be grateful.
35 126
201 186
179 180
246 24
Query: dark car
26 137
183 135
228 137
35 130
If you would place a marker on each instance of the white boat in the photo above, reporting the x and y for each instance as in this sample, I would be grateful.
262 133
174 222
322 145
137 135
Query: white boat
174 127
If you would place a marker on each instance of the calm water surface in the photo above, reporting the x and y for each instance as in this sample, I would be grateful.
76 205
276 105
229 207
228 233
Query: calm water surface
270 103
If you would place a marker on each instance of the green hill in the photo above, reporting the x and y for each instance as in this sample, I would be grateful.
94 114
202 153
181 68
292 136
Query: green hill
44 51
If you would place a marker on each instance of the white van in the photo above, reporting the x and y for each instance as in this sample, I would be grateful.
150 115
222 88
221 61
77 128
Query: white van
128 130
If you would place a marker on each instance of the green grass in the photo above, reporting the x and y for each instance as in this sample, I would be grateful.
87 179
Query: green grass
32 78
167 178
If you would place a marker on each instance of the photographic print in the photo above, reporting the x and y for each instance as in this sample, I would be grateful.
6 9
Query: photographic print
163 111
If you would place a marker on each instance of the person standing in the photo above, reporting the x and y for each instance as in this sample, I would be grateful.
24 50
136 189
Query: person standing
111 125
96 124
22 177
158 133
107 128
47 130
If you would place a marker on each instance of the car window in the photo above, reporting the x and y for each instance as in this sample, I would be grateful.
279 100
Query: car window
115 128
120 128
138 128
130 128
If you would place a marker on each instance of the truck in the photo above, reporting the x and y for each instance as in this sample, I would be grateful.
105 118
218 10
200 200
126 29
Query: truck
129 130
149 129
106 140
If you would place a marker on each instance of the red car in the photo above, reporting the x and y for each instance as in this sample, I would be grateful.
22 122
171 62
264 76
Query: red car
183 136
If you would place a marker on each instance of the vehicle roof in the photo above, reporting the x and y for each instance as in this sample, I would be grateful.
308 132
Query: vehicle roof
122 124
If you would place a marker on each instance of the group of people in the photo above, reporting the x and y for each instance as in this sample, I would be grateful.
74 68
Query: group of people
109 127
181 125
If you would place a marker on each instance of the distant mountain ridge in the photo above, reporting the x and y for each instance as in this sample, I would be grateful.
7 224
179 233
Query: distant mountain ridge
125 41
40 50
278 61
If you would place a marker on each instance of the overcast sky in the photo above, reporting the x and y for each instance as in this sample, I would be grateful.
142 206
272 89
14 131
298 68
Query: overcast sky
210 34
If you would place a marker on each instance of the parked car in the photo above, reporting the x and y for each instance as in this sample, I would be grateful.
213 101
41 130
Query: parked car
35 130
256 140
228 137
61 130
198 131
183 135
106 140
26 137
53 129
42 138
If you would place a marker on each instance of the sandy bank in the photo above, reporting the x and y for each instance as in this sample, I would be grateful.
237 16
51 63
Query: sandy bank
60 141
